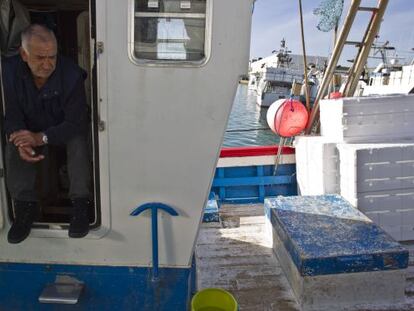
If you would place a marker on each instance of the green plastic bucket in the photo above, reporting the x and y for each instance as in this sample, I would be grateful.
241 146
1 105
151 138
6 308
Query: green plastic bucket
213 299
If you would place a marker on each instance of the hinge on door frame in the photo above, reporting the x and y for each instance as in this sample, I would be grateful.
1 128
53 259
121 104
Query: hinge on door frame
99 47
101 125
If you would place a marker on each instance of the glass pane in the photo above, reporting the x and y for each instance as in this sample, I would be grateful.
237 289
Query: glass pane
170 32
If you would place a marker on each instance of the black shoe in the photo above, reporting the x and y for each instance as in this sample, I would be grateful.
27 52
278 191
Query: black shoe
79 224
26 213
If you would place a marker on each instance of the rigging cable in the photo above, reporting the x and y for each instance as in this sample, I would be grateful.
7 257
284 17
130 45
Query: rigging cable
305 65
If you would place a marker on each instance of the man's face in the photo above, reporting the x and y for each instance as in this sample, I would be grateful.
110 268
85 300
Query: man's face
41 57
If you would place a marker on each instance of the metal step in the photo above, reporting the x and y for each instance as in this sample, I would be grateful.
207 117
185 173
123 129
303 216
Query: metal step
367 9
356 43
66 290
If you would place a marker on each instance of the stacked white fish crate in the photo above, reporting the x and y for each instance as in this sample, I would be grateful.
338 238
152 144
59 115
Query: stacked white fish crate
374 142
407 74
317 165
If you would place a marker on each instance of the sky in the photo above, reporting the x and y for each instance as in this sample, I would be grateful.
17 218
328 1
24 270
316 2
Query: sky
274 20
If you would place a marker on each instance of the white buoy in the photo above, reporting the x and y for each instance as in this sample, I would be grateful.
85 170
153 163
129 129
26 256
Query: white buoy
271 113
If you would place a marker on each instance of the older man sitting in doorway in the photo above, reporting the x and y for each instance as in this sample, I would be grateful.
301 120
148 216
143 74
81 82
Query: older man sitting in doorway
45 107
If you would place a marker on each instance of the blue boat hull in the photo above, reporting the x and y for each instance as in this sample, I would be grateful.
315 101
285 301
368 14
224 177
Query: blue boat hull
106 288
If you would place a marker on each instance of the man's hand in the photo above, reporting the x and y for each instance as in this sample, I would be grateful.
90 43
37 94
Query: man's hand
24 138
29 155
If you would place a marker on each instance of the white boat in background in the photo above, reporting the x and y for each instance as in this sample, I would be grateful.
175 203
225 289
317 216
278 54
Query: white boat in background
252 85
273 76
393 75
395 79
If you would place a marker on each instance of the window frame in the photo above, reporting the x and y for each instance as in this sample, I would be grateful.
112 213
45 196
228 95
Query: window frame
170 63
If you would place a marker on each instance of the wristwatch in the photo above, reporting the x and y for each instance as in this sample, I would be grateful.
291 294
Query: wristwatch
44 139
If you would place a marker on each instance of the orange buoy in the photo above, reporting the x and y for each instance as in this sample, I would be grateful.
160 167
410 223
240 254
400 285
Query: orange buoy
335 95
287 118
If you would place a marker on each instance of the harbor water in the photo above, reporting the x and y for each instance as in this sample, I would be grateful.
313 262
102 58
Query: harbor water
247 124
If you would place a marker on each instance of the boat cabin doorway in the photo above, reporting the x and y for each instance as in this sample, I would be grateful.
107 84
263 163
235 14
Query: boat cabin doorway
73 24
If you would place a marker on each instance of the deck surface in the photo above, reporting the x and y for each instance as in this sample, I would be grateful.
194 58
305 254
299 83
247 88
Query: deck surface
234 255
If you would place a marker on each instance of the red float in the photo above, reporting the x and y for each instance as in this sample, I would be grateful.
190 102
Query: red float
288 119
335 95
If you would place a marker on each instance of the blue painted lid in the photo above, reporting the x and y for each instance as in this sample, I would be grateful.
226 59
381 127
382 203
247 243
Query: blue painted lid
327 235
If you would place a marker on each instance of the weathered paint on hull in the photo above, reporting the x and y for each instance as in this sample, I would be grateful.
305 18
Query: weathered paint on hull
106 288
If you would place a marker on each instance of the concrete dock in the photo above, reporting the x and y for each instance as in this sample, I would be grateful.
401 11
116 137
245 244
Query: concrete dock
235 255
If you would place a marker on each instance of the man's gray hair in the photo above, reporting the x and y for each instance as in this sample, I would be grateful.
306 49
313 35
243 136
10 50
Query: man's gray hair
41 32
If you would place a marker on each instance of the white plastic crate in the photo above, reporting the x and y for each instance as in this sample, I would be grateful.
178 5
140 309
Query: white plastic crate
378 179
375 167
316 165
398 74
368 119
398 224
408 69
392 210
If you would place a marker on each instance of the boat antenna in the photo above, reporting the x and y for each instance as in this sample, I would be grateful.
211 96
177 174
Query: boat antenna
382 48
283 57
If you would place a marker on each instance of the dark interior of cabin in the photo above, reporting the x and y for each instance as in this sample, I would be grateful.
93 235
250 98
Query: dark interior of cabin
70 21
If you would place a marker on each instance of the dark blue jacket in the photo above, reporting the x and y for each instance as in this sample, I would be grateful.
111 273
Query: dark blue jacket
58 109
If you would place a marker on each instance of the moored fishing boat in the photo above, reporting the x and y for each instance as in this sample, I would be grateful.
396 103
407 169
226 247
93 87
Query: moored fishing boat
274 75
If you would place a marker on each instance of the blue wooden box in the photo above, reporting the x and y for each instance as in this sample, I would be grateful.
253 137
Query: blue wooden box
326 235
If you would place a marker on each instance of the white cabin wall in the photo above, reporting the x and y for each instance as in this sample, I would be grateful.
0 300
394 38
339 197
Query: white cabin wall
177 117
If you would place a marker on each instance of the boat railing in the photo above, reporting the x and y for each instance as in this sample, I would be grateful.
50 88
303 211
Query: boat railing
283 76
245 174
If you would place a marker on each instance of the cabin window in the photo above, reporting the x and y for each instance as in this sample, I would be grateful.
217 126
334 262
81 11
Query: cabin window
169 30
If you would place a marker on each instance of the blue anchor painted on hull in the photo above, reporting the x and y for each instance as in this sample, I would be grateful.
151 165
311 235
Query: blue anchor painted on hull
154 207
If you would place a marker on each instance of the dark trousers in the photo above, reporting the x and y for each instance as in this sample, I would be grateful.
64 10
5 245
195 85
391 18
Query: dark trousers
21 175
